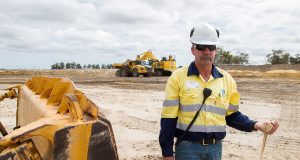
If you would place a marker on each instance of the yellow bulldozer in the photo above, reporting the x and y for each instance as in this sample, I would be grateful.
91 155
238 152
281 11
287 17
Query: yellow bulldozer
146 64
56 121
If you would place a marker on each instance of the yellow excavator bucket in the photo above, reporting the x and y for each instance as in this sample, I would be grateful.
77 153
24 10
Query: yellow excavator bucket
56 121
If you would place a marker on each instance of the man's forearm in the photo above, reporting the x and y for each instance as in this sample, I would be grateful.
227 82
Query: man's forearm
166 136
239 121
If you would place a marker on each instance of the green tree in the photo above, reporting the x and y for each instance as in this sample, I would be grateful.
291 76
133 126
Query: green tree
97 66
223 57
72 65
78 66
278 56
60 65
109 66
242 58
103 66
295 60
68 65
54 66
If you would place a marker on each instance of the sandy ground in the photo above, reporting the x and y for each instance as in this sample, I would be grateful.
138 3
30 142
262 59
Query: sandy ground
133 106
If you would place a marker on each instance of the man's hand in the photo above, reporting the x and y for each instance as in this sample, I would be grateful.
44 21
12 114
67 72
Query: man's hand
263 127
168 158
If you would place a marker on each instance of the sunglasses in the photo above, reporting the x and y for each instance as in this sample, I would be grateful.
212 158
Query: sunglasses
203 47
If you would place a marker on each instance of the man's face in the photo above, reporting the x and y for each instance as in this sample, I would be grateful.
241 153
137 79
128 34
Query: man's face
204 54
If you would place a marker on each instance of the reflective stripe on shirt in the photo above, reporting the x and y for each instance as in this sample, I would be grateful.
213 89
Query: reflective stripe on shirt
206 108
202 128
233 107
169 103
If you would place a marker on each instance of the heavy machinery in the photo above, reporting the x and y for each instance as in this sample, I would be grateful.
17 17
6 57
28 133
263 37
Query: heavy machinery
56 121
146 64
165 67
133 68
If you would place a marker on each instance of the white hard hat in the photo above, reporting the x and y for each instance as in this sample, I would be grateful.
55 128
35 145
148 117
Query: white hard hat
204 34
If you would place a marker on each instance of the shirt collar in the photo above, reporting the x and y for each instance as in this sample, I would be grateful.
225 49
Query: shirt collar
194 71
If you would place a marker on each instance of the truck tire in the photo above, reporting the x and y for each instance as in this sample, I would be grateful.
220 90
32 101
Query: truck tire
158 73
167 73
135 73
124 73
118 73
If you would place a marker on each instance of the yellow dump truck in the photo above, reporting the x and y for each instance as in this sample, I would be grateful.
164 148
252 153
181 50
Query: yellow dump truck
56 121
133 68
146 64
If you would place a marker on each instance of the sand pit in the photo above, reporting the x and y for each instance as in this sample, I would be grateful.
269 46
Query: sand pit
133 105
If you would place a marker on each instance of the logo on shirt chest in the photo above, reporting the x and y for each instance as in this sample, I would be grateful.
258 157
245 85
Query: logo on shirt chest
192 85
222 93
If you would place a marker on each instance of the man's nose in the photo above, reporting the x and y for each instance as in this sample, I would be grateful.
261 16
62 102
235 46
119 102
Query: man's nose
206 51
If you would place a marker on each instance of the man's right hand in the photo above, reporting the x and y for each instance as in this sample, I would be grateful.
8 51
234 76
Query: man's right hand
261 126
168 158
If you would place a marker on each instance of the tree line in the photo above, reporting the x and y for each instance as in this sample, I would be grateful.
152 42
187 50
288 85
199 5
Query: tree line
74 65
278 56
226 57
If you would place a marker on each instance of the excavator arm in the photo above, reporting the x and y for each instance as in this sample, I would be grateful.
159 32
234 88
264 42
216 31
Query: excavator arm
148 55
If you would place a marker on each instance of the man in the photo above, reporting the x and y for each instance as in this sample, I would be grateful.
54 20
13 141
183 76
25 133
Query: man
186 90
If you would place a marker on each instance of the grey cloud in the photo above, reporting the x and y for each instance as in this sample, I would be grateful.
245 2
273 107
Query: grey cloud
296 39
109 31
64 11
135 17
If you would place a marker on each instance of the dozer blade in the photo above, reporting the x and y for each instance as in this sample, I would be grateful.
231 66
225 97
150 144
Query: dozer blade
57 122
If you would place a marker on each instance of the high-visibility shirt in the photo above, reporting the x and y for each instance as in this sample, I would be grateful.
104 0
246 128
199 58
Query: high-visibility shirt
183 98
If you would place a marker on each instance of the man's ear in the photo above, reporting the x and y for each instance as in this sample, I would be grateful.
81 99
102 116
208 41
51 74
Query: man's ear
193 50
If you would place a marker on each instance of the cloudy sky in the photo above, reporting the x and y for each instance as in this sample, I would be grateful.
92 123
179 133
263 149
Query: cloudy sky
37 33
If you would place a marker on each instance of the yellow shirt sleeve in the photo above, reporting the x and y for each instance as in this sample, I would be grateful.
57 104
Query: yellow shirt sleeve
171 101
234 98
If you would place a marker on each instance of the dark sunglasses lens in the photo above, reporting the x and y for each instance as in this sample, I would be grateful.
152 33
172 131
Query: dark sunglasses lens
200 48
203 47
211 48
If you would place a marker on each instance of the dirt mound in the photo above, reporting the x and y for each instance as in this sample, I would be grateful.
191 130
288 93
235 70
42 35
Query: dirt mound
108 75
19 76
283 73
245 73
59 73
262 68
277 71
272 73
